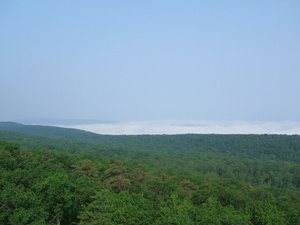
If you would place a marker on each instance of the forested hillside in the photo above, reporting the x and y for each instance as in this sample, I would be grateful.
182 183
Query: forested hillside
54 175
265 147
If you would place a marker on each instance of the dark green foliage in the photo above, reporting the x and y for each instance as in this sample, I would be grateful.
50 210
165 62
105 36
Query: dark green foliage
160 179
123 208
262 147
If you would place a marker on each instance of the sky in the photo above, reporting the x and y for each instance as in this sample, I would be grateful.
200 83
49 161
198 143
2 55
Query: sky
150 60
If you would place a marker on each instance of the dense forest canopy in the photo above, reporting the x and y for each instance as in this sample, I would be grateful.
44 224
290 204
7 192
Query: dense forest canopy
264 147
53 175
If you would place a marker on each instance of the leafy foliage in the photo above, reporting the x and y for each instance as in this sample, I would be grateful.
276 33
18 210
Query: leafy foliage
160 179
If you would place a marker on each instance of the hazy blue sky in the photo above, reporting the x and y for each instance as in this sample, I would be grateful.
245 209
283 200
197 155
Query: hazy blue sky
150 60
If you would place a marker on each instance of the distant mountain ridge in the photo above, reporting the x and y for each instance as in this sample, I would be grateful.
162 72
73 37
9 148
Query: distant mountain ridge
265 147
49 131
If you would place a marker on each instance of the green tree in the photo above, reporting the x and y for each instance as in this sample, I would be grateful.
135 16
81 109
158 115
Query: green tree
20 206
110 208
265 213
176 211
117 177
212 212
56 192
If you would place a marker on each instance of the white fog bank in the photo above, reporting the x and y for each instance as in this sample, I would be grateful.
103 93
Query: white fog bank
196 127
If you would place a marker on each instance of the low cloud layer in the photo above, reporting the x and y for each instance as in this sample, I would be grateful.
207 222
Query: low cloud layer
196 127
